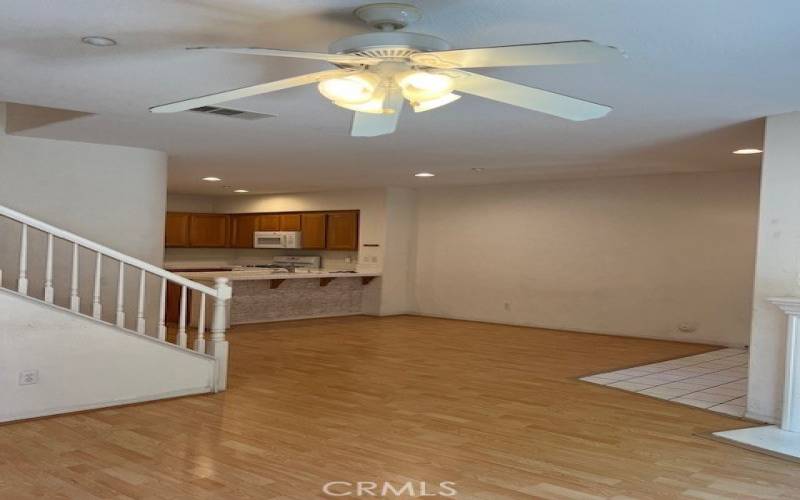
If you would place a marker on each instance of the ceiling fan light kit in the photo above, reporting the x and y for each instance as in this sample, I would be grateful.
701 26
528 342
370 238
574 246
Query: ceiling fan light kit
378 71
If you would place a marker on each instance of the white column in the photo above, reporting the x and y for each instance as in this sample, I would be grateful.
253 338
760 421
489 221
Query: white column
777 263
74 298
140 323
218 346
48 271
790 414
121 296
22 282
97 307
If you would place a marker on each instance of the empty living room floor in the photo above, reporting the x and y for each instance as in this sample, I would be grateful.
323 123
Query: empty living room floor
497 410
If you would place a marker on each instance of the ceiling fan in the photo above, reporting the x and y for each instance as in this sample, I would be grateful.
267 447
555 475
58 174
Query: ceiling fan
378 71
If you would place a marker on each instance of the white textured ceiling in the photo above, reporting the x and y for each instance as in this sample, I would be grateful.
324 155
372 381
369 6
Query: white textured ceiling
700 75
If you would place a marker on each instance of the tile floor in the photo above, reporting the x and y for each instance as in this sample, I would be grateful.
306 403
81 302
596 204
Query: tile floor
715 380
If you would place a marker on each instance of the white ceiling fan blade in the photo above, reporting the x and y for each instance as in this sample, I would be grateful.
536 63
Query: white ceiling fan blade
528 97
373 125
318 56
261 88
537 54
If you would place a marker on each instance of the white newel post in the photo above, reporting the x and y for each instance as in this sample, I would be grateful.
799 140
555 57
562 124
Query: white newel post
218 346
790 420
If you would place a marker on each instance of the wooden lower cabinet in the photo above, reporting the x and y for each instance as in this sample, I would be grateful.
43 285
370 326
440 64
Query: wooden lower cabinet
342 231
314 231
172 310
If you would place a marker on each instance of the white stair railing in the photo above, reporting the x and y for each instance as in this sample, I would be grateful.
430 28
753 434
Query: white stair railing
216 346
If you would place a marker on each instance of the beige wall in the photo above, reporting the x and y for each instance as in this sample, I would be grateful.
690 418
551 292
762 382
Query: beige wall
632 256
778 264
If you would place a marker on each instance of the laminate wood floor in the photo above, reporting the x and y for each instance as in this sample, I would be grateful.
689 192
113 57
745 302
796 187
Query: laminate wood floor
495 409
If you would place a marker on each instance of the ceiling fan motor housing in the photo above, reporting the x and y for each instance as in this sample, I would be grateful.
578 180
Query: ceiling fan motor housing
388 44
388 16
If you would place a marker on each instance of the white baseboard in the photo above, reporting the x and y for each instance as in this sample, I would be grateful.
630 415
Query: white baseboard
105 404
761 417
695 340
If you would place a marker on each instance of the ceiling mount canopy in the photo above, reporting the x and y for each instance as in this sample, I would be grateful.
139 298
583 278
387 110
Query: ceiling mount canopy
378 71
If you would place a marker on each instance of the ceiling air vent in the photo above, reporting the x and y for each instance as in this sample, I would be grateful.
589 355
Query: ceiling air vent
231 113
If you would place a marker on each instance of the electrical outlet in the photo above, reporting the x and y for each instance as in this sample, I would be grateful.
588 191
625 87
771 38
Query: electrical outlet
28 377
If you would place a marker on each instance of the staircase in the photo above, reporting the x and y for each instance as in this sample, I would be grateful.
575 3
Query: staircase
57 357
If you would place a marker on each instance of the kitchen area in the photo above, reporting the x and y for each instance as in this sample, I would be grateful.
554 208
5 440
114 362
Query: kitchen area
281 266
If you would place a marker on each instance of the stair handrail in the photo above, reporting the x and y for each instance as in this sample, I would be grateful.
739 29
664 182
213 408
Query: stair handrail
217 345
108 252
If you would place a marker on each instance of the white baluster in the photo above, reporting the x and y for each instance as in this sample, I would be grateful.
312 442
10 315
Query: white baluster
121 296
97 307
74 299
48 271
200 341
218 345
22 282
181 340
140 324
162 310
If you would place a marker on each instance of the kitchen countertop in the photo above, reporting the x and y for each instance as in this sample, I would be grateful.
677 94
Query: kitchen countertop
266 274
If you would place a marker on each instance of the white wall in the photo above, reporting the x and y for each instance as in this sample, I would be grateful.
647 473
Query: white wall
399 261
110 194
84 364
778 264
632 256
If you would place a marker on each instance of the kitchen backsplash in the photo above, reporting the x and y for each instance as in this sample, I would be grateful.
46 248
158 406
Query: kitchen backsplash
182 258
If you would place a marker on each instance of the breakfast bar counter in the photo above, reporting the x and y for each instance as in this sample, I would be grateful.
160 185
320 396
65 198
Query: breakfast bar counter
262 295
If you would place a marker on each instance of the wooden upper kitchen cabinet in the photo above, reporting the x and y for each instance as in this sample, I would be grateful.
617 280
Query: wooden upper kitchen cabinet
242 228
290 222
314 231
176 230
208 230
342 231
269 222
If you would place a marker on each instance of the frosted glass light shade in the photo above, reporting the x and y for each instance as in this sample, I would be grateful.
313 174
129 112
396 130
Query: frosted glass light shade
430 104
351 89
421 86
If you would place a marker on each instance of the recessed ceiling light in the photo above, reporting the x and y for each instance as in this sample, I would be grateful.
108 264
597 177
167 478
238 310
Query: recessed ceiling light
212 179
241 191
98 41
747 151
477 169
424 174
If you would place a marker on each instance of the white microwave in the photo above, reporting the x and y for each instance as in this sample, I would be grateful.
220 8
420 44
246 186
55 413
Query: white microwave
277 239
